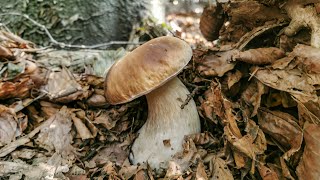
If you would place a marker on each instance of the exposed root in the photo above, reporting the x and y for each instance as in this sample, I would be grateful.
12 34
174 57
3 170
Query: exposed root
303 16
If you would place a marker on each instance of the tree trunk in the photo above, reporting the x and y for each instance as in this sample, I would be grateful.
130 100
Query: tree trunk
84 22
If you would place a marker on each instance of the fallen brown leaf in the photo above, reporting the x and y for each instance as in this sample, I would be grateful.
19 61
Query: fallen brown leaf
62 84
219 169
233 78
20 88
252 95
111 153
216 64
309 166
267 173
302 86
260 56
283 128
201 172
82 130
56 136
8 125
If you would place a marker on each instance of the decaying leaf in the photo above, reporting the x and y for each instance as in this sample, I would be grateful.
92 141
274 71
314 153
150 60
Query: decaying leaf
211 21
307 57
110 170
56 136
233 78
127 170
216 64
19 88
82 130
61 83
201 172
205 138
267 173
8 125
302 86
5 53
260 56
43 168
252 95
174 171
24 154
283 128
309 166
219 169
188 156
309 112
245 16
105 120
111 153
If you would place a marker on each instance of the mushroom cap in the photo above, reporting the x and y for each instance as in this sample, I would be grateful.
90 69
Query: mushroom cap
146 68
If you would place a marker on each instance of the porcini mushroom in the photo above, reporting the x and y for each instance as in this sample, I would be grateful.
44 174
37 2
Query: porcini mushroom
151 70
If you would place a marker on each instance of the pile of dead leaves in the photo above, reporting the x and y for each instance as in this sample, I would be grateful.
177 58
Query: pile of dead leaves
257 94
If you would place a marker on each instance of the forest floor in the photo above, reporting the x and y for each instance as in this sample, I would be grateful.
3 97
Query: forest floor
256 89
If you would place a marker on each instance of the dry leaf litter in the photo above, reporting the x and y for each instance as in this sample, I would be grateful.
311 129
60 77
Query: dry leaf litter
256 88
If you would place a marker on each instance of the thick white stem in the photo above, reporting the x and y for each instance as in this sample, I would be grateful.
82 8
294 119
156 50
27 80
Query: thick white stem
163 133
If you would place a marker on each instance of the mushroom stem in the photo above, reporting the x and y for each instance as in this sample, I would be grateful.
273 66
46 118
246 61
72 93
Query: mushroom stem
163 133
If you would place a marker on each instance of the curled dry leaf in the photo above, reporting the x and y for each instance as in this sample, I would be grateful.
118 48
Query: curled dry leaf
247 15
63 84
211 21
127 170
301 85
233 78
201 172
8 125
257 134
5 53
105 120
56 135
260 56
205 138
252 95
39 171
19 88
283 128
141 175
309 112
309 166
267 173
216 64
285 169
111 153
24 154
174 170
188 155
307 57
48 109
82 129
219 169
110 170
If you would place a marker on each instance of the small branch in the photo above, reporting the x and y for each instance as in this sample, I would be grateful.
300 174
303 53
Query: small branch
189 97
63 45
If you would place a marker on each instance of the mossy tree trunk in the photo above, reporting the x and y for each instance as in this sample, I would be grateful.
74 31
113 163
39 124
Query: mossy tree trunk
85 22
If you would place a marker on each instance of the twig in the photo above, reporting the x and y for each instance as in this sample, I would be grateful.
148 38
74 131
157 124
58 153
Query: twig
63 45
189 97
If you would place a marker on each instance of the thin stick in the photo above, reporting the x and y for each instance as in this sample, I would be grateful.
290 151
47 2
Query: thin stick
63 45
189 97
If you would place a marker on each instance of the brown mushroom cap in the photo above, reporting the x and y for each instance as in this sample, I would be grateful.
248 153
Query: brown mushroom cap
146 68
